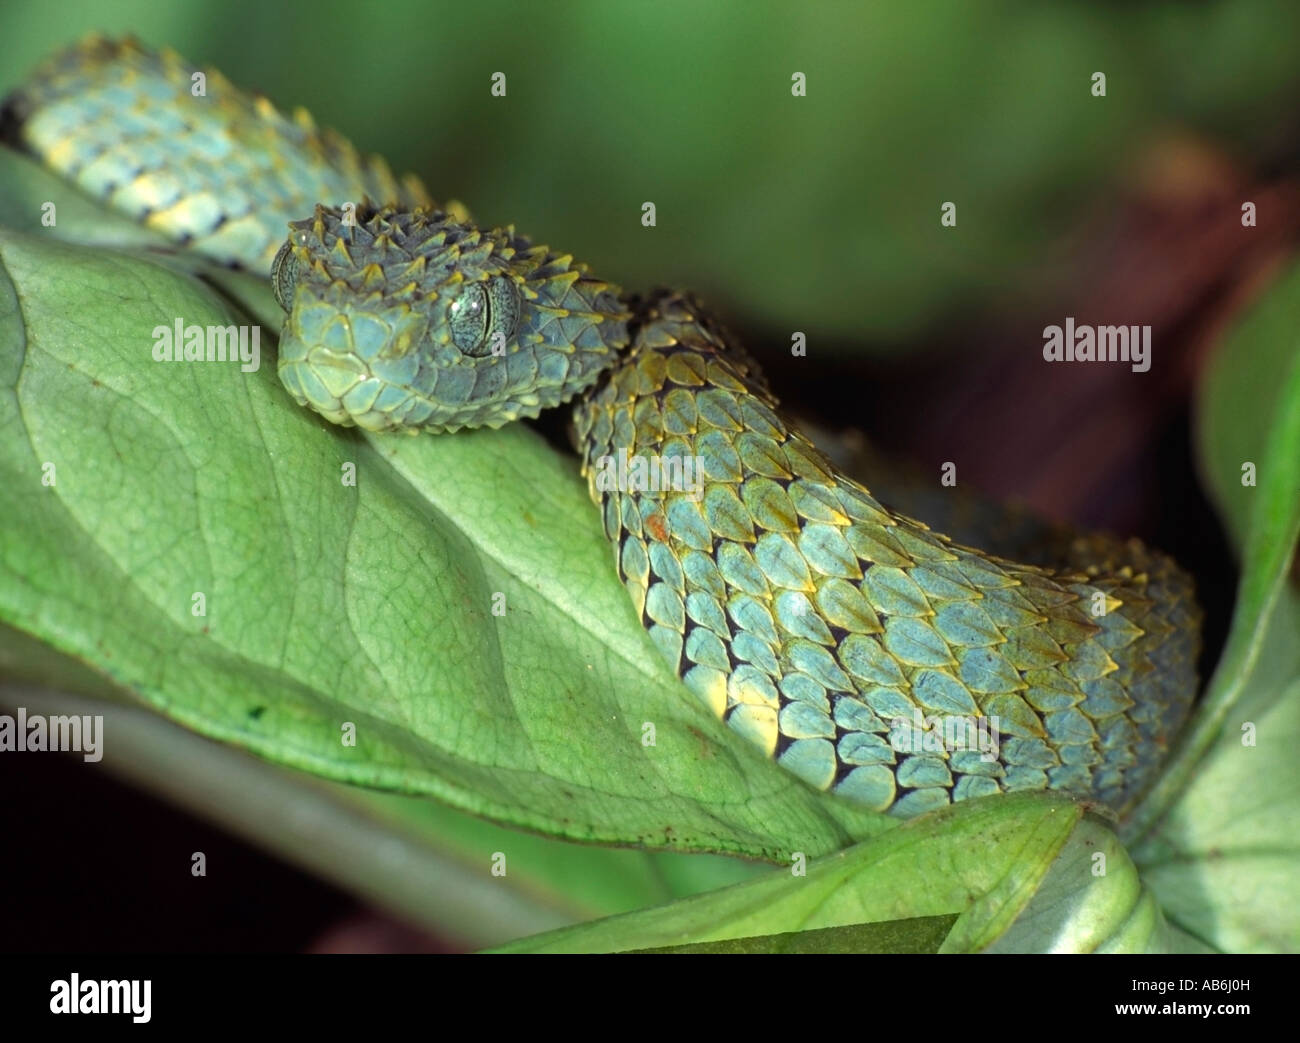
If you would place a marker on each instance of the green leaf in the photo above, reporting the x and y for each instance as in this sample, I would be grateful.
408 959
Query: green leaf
329 604
1021 873
924 934
1243 398
1225 857
1225 862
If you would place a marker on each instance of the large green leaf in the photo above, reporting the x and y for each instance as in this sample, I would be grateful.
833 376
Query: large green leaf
1224 859
328 603
1021 873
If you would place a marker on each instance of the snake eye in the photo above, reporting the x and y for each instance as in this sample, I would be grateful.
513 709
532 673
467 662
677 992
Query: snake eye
468 319
481 312
503 296
284 274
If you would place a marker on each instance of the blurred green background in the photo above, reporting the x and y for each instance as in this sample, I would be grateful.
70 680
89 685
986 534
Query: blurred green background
818 213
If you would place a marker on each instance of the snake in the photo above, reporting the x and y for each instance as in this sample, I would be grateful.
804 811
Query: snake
839 636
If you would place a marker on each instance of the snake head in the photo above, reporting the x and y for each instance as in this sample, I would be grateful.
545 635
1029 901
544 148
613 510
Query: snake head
413 319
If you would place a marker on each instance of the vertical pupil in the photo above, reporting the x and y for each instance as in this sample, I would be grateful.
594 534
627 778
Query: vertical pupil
504 311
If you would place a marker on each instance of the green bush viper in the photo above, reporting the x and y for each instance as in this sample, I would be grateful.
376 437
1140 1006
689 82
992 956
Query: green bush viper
795 605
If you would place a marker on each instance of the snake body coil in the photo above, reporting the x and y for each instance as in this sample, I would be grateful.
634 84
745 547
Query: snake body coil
836 635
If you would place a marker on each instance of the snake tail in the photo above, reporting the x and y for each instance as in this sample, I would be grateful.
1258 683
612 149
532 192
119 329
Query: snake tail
182 150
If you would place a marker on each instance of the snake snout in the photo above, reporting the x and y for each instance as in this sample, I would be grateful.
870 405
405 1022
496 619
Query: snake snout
351 364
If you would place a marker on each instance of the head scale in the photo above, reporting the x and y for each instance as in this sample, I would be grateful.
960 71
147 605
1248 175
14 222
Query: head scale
416 320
